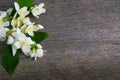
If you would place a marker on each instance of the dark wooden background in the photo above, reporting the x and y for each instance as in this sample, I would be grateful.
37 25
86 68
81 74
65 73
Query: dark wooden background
85 42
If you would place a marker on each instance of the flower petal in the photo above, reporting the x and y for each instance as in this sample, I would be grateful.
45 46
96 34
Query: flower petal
19 36
26 50
43 10
37 27
27 21
40 52
14 50
39 46
17 7
6 23
32 54
10 40
3 14
31 33
17 45
41 5
25 8
29 40
9 11
23 12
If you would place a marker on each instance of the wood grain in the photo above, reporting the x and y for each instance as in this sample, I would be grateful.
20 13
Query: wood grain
85 42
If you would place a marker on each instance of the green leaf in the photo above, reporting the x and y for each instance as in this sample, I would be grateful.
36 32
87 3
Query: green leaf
26 3
9 61
40 36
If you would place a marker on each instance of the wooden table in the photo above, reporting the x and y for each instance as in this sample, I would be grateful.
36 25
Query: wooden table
85 42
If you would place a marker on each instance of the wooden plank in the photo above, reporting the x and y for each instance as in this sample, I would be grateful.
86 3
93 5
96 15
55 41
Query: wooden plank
85 42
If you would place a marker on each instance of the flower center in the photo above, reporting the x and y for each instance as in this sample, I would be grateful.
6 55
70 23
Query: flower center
24 43
9 33
15 22
23 30
1 21
22 11
30 29
21 19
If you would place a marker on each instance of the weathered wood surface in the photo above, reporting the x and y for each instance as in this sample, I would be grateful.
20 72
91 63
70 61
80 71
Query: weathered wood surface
85 42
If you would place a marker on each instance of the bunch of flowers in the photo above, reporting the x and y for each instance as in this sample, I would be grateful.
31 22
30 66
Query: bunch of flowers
19 32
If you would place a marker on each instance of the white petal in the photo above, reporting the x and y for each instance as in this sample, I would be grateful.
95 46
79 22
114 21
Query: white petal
41 5
23 27
18 31
29 40
25 8
10 40
25 13
31 33
17 7
40 26
27 21
39 46
6 23
3 14
4 29
26 50
14 50
36 16
40 52
9 11
19 36
43 10
12 23
35 58
3 33
17 45
34 12
37 27
39 12
15 16
32 54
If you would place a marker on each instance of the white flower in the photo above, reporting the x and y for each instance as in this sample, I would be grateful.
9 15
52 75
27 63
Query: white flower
31 28
3 32
38 10
27 21
37 51
15 23
37 27
21 11
2 22
19 40
20 21
16 35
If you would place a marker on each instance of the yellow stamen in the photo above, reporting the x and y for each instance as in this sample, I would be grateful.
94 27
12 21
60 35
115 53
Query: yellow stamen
22 11
23 30
1 21
15 22
9 33
30 28
21 19
24 43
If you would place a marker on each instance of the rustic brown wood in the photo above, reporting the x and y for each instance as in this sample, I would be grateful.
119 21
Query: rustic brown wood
85 42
